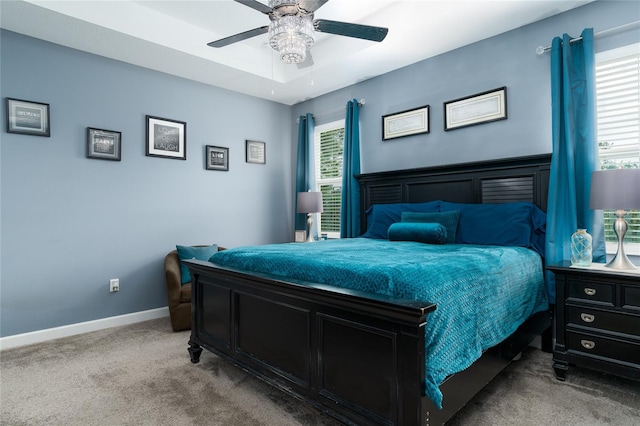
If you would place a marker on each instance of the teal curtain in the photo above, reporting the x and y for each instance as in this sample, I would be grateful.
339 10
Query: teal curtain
575 150
305 176
350 202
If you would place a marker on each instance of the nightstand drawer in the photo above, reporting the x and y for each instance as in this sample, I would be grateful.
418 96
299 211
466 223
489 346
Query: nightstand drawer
592 291
613 349
631 297
604 320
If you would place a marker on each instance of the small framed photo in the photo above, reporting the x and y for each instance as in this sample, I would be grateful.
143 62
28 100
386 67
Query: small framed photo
28 118
405 123
166 138
103 144
476 109
217 158
300 236
256 152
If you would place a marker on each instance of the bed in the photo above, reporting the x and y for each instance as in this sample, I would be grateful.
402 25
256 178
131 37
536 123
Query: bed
364 354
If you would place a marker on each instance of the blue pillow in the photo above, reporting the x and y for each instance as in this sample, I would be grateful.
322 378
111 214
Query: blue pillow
447 219
431 233
520 224
190 252
381 216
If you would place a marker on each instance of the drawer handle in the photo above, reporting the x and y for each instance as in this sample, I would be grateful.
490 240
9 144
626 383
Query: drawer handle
587 317
590 291
588 344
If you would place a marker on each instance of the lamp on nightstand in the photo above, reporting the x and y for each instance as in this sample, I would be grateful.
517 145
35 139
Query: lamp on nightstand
310 203
619 190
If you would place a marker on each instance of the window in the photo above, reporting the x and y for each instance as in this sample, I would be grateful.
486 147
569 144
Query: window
328 149
618 123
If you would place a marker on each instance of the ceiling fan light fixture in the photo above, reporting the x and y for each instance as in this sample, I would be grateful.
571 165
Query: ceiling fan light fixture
291 36
292 29
292 51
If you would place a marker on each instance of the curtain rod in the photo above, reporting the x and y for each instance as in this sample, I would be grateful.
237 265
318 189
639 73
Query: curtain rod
361 103
540 49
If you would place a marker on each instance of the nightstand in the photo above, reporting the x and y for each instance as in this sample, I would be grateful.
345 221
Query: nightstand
597 320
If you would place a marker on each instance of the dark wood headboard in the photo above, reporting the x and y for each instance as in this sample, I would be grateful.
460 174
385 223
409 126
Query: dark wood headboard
496 181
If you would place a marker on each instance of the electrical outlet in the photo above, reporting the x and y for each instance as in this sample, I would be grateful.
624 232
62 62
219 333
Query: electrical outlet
114 285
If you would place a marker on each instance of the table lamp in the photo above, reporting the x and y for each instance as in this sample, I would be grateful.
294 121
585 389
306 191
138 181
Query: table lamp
619 190
309 203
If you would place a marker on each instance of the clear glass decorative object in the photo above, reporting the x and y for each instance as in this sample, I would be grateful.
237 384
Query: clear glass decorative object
581 249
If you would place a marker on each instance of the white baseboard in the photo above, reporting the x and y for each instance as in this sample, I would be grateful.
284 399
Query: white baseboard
79 328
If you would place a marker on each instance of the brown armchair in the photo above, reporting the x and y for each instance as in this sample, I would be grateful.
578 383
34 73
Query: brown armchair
178 294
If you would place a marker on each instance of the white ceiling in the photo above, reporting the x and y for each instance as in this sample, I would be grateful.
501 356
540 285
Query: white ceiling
172 37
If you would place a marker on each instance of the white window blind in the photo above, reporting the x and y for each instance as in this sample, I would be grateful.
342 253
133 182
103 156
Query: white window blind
618 124
329 148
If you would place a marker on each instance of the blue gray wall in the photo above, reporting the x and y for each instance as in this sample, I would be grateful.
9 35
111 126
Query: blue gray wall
69 223
507 60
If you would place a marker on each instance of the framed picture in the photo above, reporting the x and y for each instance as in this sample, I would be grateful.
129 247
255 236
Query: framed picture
300 236
28 118
103 144
256 152
405 123
480 108
166 138
217 158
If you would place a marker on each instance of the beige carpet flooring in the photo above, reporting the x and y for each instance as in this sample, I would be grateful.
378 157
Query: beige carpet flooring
141 374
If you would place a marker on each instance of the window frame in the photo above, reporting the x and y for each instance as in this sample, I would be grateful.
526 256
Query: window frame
318 130
628 51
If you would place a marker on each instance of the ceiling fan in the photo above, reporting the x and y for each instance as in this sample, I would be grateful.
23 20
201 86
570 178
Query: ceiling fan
291 31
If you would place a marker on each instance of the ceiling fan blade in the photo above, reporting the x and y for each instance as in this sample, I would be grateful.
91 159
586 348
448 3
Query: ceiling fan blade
309 6
365 32
308 61
239 37
253 4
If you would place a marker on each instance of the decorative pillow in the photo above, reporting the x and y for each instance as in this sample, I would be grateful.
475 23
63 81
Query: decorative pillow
431 233
381 216
447 219
520 224
191 252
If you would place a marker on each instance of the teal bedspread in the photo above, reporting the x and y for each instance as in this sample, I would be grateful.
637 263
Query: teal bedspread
483 293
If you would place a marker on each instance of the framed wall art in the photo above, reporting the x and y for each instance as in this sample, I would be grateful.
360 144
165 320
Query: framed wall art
405 123
476 109
217 158
166 138
28 118
103 144
256 152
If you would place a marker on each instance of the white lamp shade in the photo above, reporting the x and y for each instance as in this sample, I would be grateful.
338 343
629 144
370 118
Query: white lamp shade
615 189
309 202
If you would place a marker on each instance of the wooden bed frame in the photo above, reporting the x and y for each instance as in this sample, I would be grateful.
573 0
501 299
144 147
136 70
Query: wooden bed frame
356 356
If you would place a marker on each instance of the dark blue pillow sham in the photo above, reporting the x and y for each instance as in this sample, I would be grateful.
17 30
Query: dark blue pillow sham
381 216
520 224
422 232
447 219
